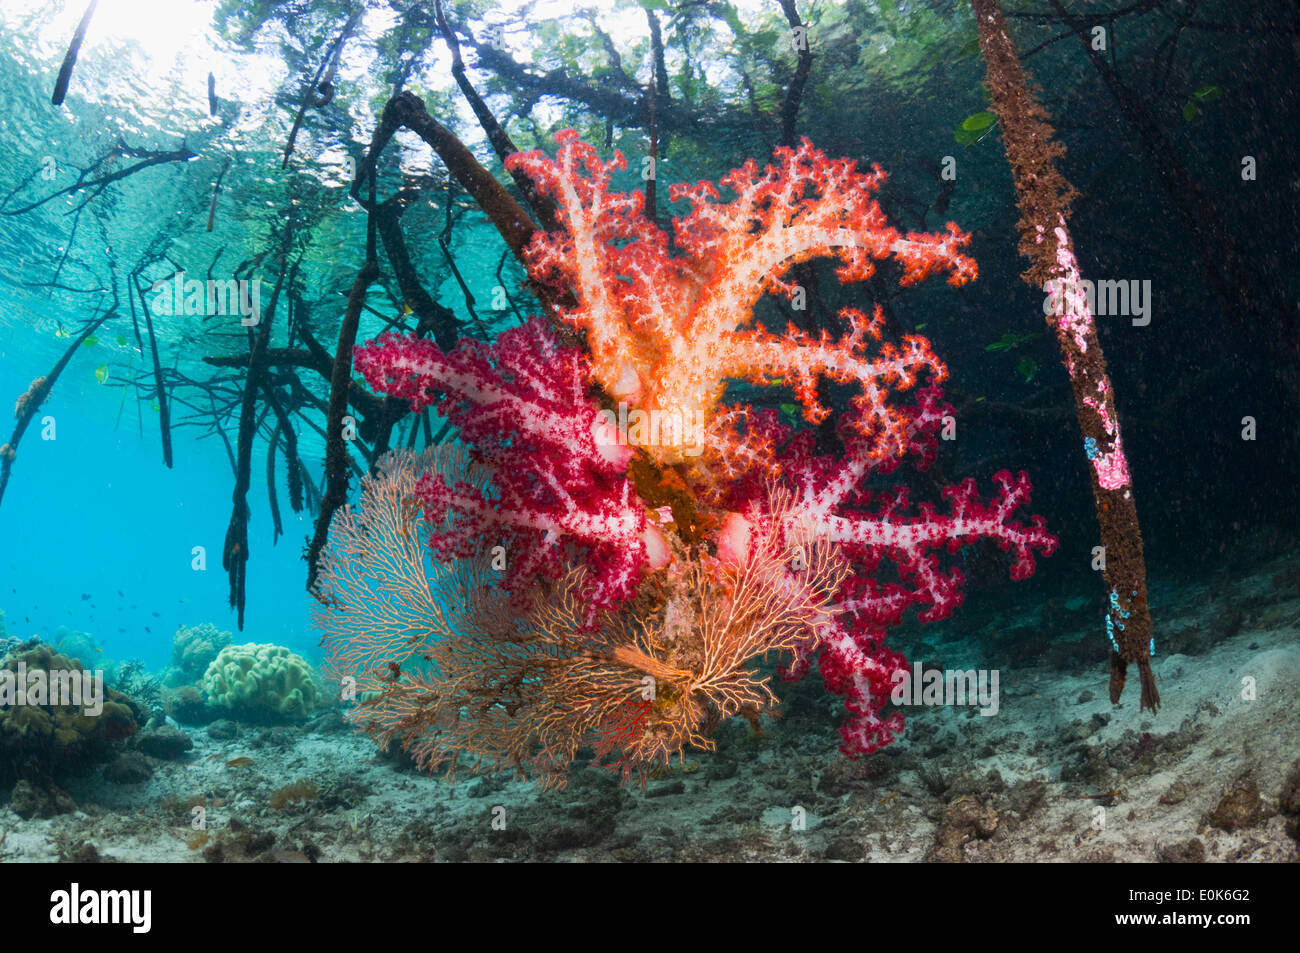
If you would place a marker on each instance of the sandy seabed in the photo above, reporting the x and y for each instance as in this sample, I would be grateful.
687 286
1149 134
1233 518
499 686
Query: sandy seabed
1059 774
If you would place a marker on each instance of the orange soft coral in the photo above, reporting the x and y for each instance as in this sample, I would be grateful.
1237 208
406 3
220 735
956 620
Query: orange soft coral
665 332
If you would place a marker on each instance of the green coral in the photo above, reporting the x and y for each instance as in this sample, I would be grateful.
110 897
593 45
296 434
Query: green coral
193 650
58 739
260 681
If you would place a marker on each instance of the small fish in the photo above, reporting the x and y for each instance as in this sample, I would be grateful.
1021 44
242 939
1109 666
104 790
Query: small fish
121 630
242 762
147 629
1108 796
156 615
119 592
85 597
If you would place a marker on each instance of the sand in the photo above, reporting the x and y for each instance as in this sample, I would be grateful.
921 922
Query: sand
1059 774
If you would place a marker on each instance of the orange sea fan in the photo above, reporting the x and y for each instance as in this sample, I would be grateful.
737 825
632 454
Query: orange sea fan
381 597
446 665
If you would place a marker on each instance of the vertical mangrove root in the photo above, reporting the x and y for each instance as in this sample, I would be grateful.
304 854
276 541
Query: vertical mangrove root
1043 198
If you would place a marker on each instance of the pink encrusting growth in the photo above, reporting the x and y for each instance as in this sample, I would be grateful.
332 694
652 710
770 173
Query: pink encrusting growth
652 530
1076 322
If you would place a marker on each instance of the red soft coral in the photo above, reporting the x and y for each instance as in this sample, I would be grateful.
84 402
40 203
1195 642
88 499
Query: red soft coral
558 487
880 529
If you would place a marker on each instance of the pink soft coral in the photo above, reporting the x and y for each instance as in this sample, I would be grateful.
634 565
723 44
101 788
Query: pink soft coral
883 536
876 528
520 403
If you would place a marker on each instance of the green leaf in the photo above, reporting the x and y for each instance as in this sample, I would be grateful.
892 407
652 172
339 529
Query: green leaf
101 373
1190 111
1207 94
153 405
1010 340
966 137
121 340
1028 368
789 409
978 121
90 341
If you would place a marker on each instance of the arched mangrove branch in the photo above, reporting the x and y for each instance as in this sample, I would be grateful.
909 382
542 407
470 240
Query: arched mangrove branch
502 144
407 110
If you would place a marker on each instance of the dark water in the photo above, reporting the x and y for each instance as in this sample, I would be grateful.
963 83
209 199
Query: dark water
1180 142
